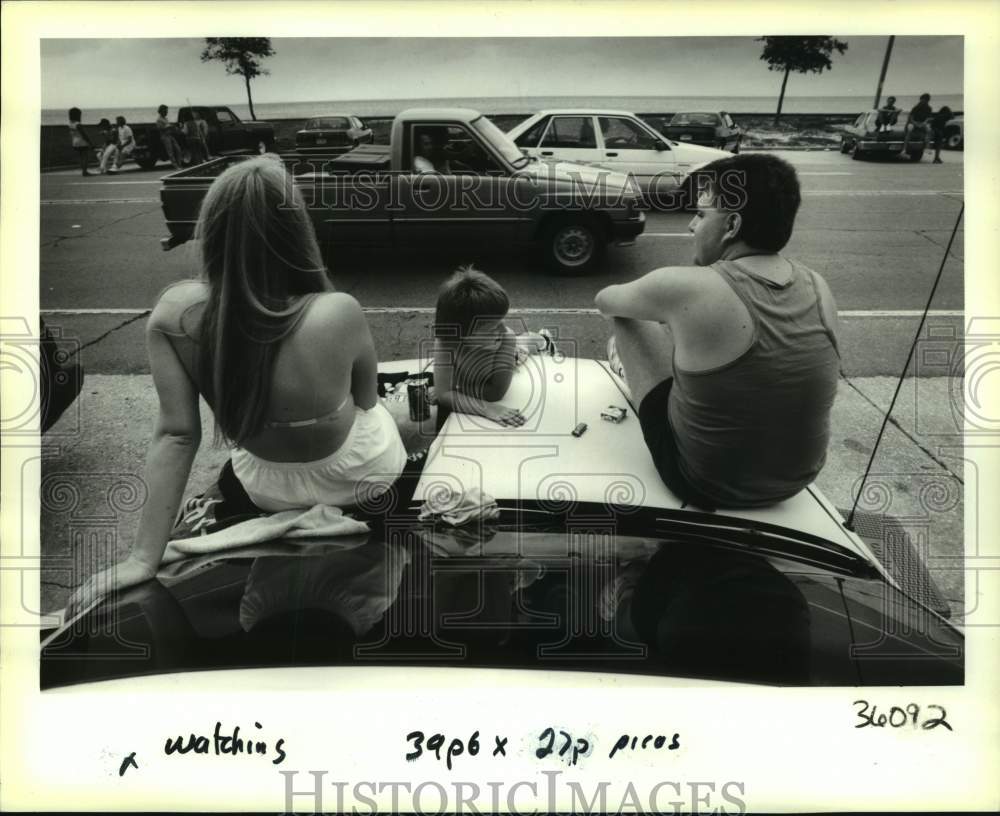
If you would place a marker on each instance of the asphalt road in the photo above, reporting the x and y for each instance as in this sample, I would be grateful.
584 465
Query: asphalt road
876 230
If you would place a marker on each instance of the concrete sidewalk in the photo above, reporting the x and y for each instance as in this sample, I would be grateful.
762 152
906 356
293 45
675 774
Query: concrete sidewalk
93 458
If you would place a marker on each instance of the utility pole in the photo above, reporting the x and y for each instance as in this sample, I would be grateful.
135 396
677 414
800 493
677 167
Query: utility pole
885 67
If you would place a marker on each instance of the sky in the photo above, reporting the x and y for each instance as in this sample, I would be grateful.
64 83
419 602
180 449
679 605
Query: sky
89 72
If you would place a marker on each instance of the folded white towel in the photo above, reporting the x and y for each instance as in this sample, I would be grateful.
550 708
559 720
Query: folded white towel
316 522
459 507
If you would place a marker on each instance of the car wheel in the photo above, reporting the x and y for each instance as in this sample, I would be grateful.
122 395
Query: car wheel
845 145
953 139
916 155
572 245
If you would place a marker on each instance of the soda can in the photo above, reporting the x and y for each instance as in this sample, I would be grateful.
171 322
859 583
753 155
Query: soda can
416 394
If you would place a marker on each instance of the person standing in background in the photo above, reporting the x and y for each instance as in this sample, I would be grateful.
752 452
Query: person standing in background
196 138
126 142
938 121
81 141
167 138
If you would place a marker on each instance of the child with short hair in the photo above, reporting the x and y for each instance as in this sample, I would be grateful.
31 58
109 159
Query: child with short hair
475 352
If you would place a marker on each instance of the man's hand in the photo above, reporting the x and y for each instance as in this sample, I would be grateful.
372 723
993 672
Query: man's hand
128 573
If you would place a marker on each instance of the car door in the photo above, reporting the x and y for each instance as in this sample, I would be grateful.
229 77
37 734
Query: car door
470 200
230 137
628 147
569 138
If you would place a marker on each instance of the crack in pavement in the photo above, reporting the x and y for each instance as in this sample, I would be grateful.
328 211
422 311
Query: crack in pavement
53 244
892 421
109 332
951 253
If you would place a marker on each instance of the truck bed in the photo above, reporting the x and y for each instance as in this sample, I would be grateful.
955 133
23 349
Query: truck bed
370 158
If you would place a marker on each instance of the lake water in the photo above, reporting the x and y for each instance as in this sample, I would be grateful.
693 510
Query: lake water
529 104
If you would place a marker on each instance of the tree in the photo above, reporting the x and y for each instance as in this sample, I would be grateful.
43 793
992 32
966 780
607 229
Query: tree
241 56
800 54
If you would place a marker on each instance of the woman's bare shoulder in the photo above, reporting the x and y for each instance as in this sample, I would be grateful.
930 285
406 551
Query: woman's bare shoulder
174 301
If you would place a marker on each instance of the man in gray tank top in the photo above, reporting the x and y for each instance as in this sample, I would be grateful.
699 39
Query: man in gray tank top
733 361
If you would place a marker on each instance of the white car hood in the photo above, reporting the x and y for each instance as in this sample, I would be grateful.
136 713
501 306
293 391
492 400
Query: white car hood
696 155
576 171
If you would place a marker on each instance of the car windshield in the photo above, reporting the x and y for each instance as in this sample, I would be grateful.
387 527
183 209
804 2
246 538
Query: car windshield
695 119
328 123
500 141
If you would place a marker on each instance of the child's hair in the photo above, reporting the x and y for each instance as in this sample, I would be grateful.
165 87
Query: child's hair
75 115
104 123
466 297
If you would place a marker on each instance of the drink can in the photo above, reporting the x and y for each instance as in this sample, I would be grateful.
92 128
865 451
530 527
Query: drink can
416 393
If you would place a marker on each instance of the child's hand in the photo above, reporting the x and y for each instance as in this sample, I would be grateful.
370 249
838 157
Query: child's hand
510 417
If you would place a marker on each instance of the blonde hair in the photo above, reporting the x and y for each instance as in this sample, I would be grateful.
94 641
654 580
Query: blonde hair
259 258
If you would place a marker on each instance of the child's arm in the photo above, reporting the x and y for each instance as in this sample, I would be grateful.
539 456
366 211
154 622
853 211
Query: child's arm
449 396
501 368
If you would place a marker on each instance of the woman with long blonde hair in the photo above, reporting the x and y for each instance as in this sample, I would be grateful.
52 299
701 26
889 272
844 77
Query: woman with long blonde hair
286 363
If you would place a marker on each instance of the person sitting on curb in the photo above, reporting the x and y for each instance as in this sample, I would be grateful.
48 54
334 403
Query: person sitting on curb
739 414
126 142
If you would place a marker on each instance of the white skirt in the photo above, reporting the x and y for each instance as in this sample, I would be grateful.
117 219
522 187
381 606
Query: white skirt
360 470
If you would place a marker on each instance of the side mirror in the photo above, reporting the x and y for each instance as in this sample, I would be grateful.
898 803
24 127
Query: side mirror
661 145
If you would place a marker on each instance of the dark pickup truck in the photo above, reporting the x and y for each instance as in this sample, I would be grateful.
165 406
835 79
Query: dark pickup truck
479 190
227 135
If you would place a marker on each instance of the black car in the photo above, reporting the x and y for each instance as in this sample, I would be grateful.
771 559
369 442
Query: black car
575 567
332 134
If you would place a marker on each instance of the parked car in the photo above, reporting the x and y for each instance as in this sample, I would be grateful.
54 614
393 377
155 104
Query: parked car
616 140
227 135
333 133
954 133
484 190
864 137
709 128
592 565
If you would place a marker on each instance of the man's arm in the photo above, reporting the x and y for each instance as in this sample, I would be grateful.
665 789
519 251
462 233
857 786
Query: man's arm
654 296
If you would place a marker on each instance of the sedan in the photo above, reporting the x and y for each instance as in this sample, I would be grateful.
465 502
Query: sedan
552 546
712 129
336 133
872 135
616 140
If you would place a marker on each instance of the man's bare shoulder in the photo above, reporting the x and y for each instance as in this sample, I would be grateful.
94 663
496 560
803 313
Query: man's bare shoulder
686 279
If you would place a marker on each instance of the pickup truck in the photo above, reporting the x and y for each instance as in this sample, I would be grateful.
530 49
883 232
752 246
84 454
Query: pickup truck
227 135
449 176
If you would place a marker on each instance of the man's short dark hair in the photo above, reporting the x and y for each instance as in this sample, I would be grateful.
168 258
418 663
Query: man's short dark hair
466 297
120 120
763 189
925 97
162 109
75 115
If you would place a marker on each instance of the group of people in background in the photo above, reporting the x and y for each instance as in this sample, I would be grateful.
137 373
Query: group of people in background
922 115
119 140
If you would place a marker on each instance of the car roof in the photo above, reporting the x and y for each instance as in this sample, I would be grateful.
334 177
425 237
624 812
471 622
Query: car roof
439 113
608 463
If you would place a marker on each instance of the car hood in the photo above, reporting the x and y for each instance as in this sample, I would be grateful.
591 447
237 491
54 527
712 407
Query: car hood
576 173
696 155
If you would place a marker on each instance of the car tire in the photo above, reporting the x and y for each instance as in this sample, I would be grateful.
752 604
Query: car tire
915 155
573 244
845 145
953 139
